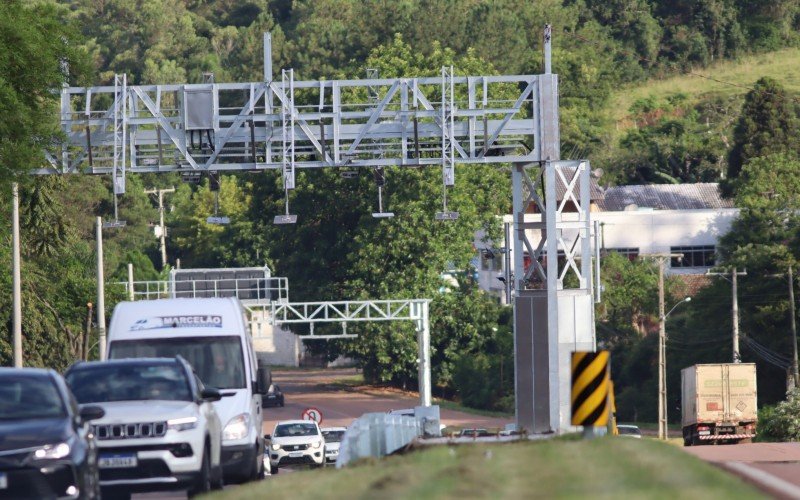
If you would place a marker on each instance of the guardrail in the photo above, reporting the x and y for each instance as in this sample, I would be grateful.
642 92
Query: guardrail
380 434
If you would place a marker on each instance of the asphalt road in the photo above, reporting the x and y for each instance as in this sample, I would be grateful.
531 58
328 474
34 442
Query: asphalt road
315 388
312 388
773 467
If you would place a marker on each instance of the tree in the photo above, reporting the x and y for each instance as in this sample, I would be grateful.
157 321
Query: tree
764 240
339 251
39 53
768 124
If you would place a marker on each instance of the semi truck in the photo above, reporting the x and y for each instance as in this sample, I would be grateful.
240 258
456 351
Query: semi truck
719 403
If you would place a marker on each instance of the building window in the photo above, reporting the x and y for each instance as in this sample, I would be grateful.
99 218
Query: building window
630 253
700 256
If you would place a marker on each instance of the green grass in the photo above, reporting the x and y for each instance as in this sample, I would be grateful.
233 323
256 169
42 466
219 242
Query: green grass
605 468
782 65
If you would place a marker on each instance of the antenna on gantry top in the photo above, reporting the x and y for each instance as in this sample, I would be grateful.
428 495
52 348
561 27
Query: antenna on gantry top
287 115
448 141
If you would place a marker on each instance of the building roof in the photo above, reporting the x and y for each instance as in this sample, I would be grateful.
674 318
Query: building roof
664 197
595 192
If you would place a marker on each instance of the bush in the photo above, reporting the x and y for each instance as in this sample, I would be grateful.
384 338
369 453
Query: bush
782 421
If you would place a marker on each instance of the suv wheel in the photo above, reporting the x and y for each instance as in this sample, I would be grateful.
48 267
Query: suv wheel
203 484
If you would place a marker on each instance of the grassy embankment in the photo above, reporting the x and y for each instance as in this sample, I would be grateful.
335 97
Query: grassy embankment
730 78
608 468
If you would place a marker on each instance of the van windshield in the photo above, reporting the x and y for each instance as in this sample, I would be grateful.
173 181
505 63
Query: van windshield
218 361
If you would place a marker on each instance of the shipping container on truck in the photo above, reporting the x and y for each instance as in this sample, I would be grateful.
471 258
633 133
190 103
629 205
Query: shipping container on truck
719 403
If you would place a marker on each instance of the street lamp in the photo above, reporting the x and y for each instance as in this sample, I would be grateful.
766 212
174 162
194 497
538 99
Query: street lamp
662 370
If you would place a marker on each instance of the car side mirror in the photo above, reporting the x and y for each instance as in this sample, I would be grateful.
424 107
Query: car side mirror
267 437
91 412
263 380
210 394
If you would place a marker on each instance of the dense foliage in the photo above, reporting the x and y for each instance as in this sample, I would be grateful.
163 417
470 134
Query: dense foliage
337 250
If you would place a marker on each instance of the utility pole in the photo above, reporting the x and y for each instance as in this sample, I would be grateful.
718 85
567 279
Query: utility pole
662 344
737 358
17 299
662 354
101 293
163 236
795 374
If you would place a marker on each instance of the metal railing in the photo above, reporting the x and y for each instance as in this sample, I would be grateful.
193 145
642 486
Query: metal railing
377 435
380 434
253 290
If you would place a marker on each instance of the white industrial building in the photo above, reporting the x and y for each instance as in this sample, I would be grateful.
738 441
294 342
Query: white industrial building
638 220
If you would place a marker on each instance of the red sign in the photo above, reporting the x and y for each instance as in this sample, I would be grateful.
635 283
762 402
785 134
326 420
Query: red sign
312 414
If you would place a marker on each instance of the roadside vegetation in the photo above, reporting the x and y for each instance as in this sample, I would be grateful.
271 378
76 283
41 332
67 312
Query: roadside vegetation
602 468
631 101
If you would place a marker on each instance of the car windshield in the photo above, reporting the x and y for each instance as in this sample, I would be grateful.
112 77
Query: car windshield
332 436
102 383
25 397
218 361
292 430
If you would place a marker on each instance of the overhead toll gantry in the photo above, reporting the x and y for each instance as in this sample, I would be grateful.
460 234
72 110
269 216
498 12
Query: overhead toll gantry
378 123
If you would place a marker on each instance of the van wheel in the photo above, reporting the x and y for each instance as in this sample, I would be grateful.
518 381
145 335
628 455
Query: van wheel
257 472
203 484
219 479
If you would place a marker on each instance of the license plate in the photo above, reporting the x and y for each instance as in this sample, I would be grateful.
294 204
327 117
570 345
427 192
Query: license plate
3 481
271 397
117 461
296 454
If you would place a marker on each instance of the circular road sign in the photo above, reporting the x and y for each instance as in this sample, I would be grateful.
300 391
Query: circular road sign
312 414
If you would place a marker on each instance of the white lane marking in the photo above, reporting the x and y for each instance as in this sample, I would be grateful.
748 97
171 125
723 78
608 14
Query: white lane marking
773 482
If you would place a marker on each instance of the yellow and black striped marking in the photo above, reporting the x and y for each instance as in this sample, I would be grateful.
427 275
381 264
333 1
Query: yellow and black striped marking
590 385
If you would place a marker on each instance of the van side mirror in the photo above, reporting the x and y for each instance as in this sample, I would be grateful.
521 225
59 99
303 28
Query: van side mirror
263 380
210 394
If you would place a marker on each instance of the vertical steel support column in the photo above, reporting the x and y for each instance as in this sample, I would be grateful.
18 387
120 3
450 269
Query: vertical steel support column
16 263
552 235
421 311
101 293
268 93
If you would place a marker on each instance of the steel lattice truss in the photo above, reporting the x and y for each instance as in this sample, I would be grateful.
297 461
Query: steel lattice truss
571 239
286 124
349 311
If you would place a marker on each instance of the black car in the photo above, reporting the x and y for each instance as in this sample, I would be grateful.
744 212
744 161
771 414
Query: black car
274 397
47 449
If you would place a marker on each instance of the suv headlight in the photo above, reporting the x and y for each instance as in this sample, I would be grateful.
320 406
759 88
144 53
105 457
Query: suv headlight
275 447
316 444
182 424
52 451
236 428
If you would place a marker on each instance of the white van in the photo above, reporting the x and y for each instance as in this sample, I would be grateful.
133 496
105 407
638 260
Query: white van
212 335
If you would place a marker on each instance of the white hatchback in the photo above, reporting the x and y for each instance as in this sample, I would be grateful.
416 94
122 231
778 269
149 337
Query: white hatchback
333 439
296 442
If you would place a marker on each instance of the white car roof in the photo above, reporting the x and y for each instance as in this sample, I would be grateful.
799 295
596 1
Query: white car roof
292 422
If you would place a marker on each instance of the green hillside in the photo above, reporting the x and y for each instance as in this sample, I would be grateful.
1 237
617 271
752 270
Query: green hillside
724 78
